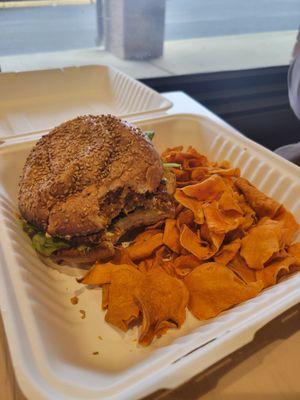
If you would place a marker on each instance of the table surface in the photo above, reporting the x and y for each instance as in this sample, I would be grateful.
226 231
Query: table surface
267 368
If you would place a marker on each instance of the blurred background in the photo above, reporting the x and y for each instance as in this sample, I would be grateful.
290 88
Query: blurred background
164 37
230 55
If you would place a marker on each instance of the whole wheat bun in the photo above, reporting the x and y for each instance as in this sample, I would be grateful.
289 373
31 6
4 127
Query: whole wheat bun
71 170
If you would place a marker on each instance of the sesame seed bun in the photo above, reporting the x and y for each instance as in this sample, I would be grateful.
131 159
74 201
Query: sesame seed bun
71 171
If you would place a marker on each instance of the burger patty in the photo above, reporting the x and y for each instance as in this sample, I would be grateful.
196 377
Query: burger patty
137 210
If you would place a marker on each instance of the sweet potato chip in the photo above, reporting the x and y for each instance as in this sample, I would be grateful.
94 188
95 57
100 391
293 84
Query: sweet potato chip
249 213
228 202
215 239
145 265
99 274
122 309
214 288
144 248
294 251
259 245
191 242
269 275
218 221
170 150
121 256
181 175
227 252
168 267
192 204
226 172
163 327
207 190
196 154
171 237
199 173
186 217
263 205
238 266
288 224
184 264
161 298
118 297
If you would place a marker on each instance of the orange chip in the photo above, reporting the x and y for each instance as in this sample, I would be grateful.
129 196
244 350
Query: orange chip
228 202
199 173
161 298
181 175
122 309
168 267
228 252
144 248
98 274
121 256
195 162
215 239
170 150
186 217
249 213
226 172
191 242
288 224
239 266
184 264
192 204
219 221
262 204
172 235
178 209
209 189
223 164
145 265
269 275
118 297
294 250
214 288
196 154
259 245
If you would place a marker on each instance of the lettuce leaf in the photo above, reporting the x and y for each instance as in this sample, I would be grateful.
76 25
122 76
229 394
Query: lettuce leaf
47 245
171 165
150 134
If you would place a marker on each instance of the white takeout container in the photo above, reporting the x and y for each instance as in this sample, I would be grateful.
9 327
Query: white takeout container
52 347
35 101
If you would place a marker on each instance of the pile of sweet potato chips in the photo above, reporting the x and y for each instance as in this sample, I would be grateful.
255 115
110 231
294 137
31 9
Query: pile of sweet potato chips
226 243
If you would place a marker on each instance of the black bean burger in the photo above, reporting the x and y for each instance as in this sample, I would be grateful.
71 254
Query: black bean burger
88 183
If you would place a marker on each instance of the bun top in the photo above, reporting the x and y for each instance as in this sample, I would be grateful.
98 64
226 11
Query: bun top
70 170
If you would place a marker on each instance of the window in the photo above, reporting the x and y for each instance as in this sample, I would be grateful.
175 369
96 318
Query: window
148 38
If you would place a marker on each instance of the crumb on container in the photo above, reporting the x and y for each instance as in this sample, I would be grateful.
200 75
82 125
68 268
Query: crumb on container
100 337
95 353
74 300
83 314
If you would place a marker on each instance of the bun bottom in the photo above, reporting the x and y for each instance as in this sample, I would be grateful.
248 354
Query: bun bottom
81 258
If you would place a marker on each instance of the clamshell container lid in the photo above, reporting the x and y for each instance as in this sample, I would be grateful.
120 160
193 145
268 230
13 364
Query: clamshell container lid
36 101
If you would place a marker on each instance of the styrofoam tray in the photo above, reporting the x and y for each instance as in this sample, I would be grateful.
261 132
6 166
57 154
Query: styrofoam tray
51 346
35 101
